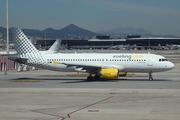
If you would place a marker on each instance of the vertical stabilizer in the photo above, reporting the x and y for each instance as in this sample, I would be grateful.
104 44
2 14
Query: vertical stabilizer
27 53
23 45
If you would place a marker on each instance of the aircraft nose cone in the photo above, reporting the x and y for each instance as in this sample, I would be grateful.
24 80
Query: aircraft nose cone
171 65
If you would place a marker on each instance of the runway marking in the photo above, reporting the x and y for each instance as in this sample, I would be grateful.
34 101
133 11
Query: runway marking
69 114
88 106
93 110
62 118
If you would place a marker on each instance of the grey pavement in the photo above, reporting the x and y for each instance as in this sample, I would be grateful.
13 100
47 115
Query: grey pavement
49 95
96 104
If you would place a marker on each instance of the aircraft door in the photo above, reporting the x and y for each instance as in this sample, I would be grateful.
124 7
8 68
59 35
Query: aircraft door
150 60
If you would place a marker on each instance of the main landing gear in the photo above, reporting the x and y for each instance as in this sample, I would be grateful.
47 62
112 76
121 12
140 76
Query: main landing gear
96 77
150 76
90 78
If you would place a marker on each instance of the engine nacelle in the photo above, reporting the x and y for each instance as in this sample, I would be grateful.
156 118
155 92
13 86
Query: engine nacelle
109 73
121 74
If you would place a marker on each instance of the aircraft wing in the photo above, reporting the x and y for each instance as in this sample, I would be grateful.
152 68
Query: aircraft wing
97 66
81 65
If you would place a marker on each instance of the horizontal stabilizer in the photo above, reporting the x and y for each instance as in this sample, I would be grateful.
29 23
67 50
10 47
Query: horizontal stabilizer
16 58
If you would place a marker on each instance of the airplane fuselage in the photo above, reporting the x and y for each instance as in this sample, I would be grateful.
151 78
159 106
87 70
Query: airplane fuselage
124 62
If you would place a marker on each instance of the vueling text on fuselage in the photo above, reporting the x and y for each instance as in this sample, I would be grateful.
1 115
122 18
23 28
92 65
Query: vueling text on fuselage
128 56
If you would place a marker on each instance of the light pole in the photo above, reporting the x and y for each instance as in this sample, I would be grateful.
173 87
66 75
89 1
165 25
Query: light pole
149 44
45 40
7 27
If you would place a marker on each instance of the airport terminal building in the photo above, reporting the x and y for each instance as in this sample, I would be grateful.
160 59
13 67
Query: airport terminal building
131 42
107 43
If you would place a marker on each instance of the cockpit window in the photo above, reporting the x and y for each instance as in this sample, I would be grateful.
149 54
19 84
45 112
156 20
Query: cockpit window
162 59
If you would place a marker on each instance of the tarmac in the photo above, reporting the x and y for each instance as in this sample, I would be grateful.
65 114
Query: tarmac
49 95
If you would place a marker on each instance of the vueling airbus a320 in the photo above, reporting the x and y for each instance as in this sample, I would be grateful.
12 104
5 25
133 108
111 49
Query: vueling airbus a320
103 65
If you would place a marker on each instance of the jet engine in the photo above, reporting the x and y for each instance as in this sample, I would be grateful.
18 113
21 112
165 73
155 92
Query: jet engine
121 74
109 73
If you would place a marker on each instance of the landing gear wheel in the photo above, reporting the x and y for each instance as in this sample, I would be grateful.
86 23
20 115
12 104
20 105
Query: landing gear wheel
89 78
150 79
96 77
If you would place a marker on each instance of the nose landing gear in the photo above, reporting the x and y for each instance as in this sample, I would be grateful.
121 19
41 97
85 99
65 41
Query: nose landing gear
150 76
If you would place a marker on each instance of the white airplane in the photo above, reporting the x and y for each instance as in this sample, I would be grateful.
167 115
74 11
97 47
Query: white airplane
101 64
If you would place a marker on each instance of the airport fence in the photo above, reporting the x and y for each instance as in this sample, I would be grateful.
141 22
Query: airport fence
5 64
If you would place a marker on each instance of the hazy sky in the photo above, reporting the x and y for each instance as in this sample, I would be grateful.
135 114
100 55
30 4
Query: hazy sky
157 16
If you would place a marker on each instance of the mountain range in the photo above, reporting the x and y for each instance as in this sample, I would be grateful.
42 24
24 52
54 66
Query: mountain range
74 32
70 31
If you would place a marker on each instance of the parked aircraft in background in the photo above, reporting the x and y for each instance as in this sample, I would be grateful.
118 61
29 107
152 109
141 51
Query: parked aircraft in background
173 46
54 48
